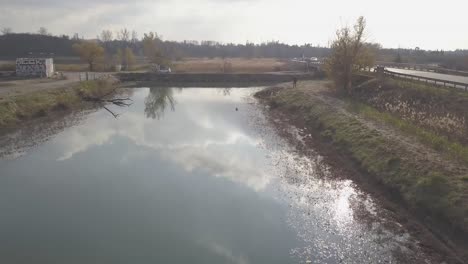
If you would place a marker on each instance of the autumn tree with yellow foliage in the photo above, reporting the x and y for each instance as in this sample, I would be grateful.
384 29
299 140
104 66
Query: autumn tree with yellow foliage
90 52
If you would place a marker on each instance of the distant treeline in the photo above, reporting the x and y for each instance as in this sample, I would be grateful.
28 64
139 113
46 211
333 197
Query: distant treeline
19 45
25 44
14 45
457 59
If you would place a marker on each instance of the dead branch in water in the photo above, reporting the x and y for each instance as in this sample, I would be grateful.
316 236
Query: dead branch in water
121 102
112 113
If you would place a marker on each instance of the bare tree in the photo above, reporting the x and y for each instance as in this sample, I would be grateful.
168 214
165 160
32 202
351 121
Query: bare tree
129 58
125 57
134 37
123 35
151 49
106 36
6 31
43 31
349 55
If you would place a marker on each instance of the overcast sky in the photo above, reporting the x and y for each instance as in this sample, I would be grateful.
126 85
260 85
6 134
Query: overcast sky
426 24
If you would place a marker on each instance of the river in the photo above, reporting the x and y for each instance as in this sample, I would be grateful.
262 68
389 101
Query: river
195 175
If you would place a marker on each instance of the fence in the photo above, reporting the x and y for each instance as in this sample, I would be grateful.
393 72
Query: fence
87 76
423 67
445 83
90 76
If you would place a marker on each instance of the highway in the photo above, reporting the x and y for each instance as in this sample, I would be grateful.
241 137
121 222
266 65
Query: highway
453 78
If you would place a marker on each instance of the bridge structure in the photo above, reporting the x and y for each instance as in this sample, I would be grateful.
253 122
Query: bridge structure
308 65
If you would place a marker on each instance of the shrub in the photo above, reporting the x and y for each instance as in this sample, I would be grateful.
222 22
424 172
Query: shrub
432 187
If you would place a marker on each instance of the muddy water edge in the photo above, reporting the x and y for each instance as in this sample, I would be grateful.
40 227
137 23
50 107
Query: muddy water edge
308 141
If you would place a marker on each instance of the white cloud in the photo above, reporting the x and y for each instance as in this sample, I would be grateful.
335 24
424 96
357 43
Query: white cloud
408 24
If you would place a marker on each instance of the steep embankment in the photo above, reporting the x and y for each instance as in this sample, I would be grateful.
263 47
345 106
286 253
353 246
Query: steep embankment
439 110
432 183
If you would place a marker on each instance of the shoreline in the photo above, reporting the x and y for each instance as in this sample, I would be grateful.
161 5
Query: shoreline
150 79
30 106
431 233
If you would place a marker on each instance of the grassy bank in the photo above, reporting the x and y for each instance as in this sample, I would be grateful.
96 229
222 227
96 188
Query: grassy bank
424 108
435 191
438 142
32 105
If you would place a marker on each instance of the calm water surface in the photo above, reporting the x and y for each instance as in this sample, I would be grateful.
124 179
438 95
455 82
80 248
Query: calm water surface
182 177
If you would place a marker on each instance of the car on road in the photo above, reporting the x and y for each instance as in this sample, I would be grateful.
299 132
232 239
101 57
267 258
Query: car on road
165 70
160 69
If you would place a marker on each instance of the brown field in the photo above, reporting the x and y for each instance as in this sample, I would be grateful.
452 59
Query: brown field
71 67
7 66
198 65
189 65
235 65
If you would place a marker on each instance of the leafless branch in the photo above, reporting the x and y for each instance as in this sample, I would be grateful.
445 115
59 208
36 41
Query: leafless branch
112 113
121 102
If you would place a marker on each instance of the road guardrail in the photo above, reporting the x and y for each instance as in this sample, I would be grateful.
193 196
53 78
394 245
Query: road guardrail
445 83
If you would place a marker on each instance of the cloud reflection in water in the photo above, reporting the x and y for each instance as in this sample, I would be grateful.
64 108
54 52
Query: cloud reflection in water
185 136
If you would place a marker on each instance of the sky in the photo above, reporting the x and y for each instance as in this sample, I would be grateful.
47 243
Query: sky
426 24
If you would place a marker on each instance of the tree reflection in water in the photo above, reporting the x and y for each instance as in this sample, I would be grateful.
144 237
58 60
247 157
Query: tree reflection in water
227 91
158 100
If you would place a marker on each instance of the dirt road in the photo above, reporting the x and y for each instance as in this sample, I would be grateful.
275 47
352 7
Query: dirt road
14 87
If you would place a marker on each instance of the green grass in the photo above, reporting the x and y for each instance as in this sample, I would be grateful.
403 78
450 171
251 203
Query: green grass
429 189
435 141
23 107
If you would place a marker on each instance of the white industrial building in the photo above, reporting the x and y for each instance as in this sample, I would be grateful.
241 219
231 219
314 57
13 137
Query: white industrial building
38 67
